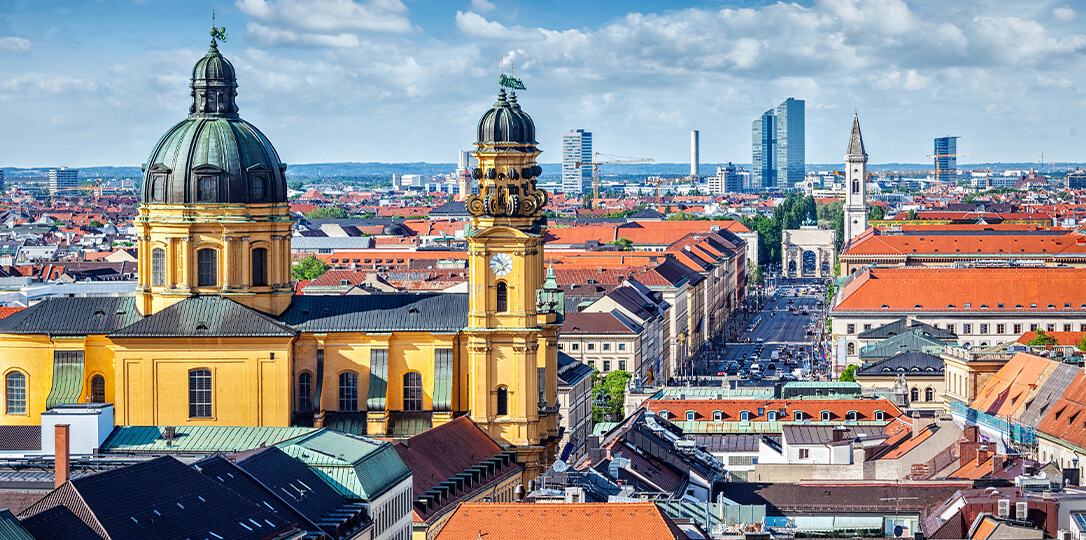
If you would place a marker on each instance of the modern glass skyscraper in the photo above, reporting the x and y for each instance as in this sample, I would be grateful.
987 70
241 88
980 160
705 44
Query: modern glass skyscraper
576 147
763 174
791 142
946 162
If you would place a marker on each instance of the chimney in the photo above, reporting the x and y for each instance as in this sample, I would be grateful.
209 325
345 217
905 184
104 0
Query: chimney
63 463
971 433
997 464
983 454
839 433
917 425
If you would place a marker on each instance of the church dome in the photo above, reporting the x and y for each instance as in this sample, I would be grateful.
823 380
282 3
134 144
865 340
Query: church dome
506 122
214 156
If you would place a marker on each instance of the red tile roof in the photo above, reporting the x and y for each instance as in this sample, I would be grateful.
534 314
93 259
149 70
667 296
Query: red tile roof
937 289
812 408
570 521
1006 390
1067 417
1062 338
5 311
1026 245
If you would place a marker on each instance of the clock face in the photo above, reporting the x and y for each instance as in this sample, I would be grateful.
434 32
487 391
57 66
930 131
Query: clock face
501 264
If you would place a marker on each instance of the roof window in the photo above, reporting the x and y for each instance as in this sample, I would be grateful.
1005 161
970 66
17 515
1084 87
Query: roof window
1000 305
918 306
948 306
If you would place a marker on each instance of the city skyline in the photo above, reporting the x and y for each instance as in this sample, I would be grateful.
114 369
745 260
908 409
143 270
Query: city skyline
92 84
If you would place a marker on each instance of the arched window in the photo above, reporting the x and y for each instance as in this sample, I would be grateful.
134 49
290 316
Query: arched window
15 392
98 389
207 268
259 181
799 416
880 416
305 391
851 415
502 295
260 267
825 416
929 394
158 267
855 186
718 416
200 393
851 349
690 416
412 391
914 394
207 189
503 401
348 391
771 416
744 416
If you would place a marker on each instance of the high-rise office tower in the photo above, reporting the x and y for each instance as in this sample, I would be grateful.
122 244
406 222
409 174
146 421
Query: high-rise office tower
2 180
63 181
764 143
576 147
727 180
946 160
791 143
694 154
855 183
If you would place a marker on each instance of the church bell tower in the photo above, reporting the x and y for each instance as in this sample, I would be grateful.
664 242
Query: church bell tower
514 310
855 184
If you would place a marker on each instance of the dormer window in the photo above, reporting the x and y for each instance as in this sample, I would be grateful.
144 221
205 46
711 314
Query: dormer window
690 415
799 416
825 416
718 416
880 416
744 416
771 416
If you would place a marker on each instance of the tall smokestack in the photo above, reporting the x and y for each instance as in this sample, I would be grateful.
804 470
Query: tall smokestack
63 463
694 154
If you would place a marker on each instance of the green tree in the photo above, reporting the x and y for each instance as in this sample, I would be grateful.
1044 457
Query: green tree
295 185
96 224
625 243
1042 339
912 215
610 395
1082 344
308 268
328 212
876 213
849 375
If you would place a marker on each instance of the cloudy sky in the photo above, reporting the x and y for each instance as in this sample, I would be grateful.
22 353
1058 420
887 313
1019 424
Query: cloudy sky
97 82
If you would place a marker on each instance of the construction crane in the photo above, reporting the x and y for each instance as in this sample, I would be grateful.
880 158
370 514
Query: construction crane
659 180
937 156
595 163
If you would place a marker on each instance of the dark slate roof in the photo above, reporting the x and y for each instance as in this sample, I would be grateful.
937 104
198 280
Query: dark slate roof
433 312
451 209
827 498
646 213
908 363
206 316
58 523
296 483
570 370
234 478
162 499
802 434
73 316
20 437
902 326
730 442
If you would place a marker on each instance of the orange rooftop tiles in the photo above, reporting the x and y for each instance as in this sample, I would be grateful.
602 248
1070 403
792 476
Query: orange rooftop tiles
569 521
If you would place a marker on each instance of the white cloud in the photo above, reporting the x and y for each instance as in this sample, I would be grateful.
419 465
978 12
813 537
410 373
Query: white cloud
14 44
910 80
31 85
331 16
482 6
1064 13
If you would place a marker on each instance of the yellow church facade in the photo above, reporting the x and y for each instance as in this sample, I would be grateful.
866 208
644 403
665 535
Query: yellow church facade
215 336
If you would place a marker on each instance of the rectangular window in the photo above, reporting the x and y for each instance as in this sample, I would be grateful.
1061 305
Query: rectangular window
606 346
260 267
575 346
305 392
607 365
15 392
1017 329
804 453
622 365
622 346
740 460
950 328
200 393
158 267
867 327
1082 327
1032 327
207 263
1067 327
1051 327
1001 329
984 329
851 329
967 328
208 189
348 391
591 346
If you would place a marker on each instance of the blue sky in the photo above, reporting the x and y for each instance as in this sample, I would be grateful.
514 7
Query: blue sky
97 82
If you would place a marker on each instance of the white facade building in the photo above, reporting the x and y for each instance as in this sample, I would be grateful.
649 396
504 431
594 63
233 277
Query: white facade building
576 148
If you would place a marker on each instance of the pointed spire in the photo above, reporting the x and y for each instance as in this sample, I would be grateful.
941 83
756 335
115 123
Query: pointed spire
856 141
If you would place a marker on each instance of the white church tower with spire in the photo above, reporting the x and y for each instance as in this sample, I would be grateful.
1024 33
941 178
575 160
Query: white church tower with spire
855 184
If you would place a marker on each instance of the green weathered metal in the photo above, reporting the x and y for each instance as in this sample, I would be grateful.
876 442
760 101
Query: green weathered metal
443 379
378 392
10 529
358 467
67 378
199 439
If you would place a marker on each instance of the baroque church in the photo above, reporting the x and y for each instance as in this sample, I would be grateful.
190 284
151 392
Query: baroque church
215 336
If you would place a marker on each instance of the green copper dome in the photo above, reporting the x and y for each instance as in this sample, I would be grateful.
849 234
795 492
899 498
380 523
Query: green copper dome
506 122
214 156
